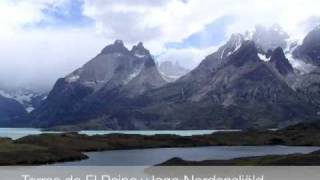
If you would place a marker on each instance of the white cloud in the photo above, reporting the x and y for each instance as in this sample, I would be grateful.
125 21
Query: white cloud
174 20
35 58
16 13
189 57
155 20
161 21
38 58
31 55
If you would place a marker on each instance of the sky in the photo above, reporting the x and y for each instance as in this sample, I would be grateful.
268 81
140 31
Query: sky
42 40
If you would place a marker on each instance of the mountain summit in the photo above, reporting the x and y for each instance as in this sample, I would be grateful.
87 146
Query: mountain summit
309 50
115 73
140 51
116 47
249 82
235 89
280 62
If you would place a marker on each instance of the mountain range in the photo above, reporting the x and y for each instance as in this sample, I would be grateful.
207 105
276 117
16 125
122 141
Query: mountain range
260 79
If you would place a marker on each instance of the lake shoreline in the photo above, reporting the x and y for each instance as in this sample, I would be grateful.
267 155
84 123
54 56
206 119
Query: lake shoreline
297 159
153 156
52 148
16 133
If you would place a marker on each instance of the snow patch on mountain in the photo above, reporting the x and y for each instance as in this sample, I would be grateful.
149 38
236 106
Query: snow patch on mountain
19 96
169 78
133 75
263 57
301 66
73 78
4 94
238 44
27 98
30 109
140 55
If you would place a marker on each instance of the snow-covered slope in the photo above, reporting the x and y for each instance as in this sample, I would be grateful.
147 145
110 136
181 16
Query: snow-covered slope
27 98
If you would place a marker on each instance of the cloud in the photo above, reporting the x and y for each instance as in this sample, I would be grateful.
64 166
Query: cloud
155 20
38 58
33 56
42 40
166 25
212 35
67 15
175 20
16 13
189 57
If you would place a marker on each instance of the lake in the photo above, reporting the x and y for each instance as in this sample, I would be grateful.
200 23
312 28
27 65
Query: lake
16 133
146 157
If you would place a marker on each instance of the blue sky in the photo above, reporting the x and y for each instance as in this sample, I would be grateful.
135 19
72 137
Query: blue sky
54 37
212 34
70 15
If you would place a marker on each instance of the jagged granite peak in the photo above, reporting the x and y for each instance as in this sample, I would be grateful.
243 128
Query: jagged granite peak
115 73
215 60
247 52
309 50
115 67
140 51
114 59
118 42
241 92
116 47
233 44
280 62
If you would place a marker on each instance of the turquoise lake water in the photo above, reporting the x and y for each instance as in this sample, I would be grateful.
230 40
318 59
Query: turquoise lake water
16 133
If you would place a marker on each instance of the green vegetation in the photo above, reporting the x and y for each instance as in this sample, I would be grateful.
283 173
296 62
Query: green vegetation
312 159
50 148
